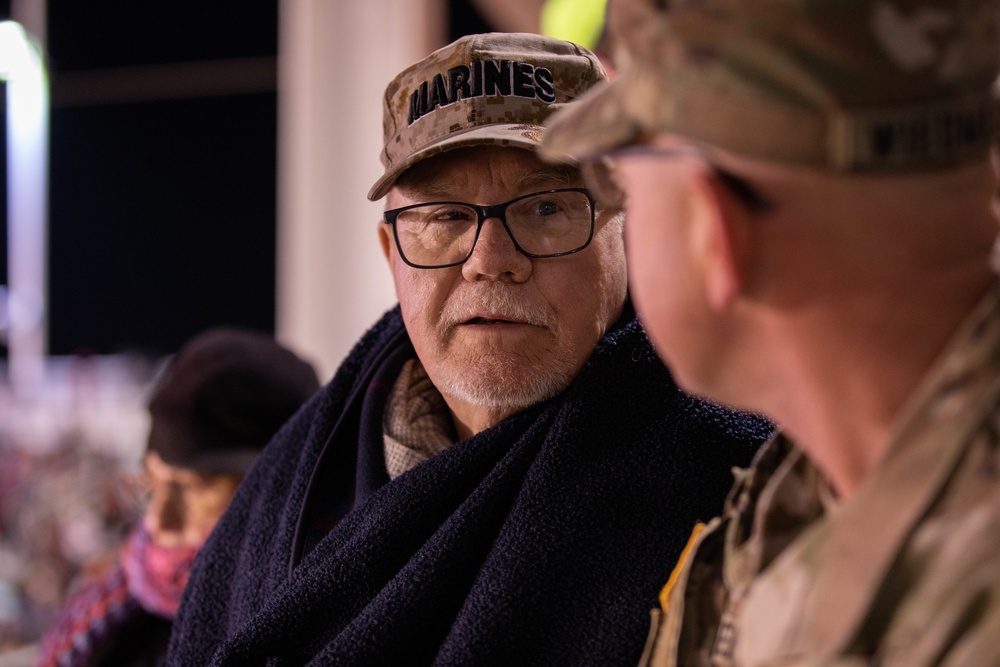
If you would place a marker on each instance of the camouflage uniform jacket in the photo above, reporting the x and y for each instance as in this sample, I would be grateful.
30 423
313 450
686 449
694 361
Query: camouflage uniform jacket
906 572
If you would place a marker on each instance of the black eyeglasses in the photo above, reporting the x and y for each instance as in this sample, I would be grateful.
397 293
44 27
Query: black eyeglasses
436 235
598 171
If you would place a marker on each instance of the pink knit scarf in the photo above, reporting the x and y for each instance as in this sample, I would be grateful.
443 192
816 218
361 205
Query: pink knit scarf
156 575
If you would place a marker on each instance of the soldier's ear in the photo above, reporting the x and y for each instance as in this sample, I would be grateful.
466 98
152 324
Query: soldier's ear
722 238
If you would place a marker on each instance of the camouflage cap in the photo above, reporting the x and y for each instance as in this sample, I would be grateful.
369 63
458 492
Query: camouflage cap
840 85
489 89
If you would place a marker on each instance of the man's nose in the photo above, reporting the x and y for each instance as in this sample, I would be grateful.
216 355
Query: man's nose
495 256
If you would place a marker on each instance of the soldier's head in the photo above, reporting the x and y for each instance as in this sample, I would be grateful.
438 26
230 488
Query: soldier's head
506 272
780 156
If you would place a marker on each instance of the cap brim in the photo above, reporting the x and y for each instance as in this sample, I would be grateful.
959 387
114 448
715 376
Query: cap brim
514 135
597 122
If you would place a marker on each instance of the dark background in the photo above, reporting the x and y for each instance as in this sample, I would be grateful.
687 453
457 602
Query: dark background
162 213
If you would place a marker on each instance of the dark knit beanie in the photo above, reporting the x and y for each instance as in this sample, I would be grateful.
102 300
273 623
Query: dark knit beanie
222 397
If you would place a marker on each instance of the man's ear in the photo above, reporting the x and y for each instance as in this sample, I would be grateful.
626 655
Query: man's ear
384 240
723 240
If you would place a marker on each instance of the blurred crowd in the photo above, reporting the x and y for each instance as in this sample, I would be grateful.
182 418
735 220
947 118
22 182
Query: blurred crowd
70 454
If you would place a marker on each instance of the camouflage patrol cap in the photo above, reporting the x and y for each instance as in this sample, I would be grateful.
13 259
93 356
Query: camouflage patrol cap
488 89
840 85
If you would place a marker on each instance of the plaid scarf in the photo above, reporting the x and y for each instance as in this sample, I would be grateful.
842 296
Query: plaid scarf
86 628
149 581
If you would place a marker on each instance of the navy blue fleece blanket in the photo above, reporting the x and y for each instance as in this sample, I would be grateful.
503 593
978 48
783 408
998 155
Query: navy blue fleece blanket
541 541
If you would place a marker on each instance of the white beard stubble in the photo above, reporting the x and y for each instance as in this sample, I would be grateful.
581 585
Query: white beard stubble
502 378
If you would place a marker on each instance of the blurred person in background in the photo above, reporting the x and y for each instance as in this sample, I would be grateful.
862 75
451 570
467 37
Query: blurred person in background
216 405
500 466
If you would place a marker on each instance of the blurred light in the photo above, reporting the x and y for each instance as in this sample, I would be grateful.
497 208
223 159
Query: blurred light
22 67
15 51
577 21
4 312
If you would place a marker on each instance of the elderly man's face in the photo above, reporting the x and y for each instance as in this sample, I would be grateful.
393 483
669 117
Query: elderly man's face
503 331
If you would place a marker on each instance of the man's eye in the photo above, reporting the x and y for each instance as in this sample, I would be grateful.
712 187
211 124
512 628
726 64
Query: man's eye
547 208
446 214
454 215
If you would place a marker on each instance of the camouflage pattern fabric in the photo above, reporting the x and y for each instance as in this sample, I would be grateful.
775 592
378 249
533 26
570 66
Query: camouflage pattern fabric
905 573
852 85
491 89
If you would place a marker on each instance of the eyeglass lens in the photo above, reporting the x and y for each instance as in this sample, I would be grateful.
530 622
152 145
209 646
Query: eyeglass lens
542 224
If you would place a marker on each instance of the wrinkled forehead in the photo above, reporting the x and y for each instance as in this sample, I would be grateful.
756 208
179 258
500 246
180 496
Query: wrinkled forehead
499 171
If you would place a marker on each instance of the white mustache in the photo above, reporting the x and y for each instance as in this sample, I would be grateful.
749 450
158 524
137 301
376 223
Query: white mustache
497 301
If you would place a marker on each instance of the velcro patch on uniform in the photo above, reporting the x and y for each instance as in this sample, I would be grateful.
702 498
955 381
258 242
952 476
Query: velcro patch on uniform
912 136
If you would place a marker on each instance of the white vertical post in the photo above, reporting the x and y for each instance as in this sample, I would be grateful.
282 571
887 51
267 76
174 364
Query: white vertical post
335 59
27 192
